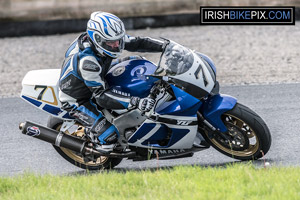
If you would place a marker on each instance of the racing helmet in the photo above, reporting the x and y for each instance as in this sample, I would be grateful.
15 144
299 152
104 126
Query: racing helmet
106 32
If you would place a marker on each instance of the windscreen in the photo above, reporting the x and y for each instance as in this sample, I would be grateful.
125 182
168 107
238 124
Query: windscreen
175 60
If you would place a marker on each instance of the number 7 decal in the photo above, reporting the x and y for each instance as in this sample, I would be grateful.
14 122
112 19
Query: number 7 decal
200 71
42 92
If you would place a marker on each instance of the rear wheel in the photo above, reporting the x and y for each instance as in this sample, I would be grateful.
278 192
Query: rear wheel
249 136
76 158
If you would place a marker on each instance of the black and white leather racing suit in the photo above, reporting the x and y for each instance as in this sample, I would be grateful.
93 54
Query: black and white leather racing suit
82 84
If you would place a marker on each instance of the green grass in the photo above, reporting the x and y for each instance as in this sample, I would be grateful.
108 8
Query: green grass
238 181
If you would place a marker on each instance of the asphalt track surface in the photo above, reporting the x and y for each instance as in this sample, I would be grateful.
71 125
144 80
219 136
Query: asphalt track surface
278 105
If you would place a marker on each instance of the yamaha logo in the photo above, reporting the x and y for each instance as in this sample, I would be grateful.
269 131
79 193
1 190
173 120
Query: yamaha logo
167 151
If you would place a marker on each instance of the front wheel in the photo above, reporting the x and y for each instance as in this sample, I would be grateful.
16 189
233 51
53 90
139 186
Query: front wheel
249 135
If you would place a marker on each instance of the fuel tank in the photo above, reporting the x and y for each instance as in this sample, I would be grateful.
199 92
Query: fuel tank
129 78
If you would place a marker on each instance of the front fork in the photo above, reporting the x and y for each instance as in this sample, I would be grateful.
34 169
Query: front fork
214 107
207 127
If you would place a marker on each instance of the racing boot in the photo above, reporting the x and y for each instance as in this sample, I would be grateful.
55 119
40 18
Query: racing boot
106 133
97 128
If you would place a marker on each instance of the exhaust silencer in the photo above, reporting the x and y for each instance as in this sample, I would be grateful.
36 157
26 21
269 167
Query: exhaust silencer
61 139
57 138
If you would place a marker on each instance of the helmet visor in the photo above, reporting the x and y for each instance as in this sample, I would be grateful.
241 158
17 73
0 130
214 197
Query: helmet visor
110 45
114 46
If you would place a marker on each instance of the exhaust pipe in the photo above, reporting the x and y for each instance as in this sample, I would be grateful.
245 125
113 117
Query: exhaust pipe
56 138
61 139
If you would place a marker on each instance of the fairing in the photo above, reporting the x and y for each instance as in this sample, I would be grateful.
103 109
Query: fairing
184 104
187 69
175 120
40 88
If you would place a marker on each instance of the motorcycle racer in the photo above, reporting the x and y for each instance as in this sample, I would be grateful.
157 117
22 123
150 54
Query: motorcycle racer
82 86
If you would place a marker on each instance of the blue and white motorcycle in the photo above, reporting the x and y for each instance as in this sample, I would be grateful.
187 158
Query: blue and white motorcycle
190 114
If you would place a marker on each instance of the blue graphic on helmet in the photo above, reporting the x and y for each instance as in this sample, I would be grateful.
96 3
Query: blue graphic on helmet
114 25
91 34
109 16
105 26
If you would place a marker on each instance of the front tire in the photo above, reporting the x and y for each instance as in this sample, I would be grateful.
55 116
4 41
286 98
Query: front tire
75 158
250 138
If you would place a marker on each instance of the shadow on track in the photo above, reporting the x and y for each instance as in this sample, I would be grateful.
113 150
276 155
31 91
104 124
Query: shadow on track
256 163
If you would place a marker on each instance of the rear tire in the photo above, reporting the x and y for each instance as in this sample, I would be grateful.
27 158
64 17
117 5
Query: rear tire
250 136
76 159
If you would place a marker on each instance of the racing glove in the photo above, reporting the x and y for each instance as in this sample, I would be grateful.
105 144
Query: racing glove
144 104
